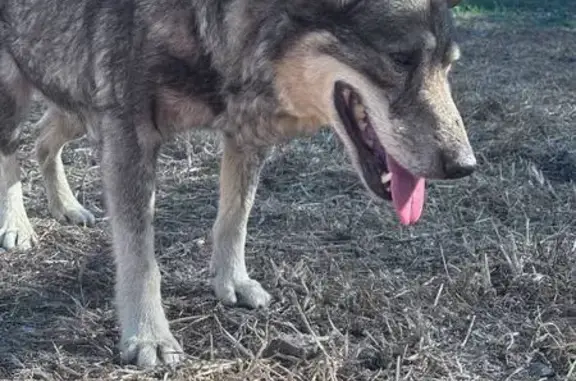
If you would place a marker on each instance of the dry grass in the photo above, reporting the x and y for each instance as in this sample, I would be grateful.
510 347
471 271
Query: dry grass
482 289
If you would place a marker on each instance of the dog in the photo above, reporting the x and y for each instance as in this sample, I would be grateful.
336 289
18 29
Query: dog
133 73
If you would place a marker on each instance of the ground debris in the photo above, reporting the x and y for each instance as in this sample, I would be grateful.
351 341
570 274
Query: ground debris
540 370
299 346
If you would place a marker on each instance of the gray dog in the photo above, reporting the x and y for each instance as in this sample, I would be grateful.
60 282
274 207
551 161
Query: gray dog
132 73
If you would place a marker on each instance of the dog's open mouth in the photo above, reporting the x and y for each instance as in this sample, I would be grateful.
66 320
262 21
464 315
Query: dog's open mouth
382 174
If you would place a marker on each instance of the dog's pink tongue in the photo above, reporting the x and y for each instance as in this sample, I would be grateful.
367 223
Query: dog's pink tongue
408 192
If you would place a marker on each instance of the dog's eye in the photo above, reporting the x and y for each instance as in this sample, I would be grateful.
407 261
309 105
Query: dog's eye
404 60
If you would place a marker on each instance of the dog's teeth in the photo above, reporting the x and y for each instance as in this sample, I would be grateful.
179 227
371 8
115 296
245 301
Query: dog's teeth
362 125
385 178
359 111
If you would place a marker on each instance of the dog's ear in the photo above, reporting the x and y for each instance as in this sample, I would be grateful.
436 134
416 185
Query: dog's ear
453 3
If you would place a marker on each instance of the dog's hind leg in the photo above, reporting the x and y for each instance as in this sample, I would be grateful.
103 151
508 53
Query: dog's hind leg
129 156
239 174
15 94
15 228
57 129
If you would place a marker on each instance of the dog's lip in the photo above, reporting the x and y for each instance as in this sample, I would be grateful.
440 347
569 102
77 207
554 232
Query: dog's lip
372 160
381 173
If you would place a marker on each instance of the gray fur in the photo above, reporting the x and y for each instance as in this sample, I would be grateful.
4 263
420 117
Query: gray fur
132 73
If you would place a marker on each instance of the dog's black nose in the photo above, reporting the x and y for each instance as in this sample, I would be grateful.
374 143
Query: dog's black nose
459 166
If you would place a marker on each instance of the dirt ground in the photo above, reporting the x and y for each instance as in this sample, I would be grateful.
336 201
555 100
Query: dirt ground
482 289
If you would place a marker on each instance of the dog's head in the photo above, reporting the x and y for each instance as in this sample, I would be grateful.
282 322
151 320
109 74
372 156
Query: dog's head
377 72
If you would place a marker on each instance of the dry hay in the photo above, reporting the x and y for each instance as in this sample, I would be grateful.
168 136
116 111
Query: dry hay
482 289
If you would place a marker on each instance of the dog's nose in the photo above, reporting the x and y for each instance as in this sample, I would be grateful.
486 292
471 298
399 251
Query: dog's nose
458 166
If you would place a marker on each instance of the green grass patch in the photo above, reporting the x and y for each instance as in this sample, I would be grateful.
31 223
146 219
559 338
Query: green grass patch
541 12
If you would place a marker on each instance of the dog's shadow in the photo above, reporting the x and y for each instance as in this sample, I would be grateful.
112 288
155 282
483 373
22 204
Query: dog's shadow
56 307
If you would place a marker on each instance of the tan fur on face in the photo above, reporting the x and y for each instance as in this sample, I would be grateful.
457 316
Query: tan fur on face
304 87
305 80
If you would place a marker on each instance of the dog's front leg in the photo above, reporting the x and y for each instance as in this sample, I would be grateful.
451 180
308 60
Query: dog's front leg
128 164
239 174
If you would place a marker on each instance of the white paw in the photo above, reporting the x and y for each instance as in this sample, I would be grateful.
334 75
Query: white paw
246 292
17 232
72 212
148 351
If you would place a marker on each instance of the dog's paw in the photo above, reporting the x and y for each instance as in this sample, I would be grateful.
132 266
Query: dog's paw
246 292
150 351
73 213
17 233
